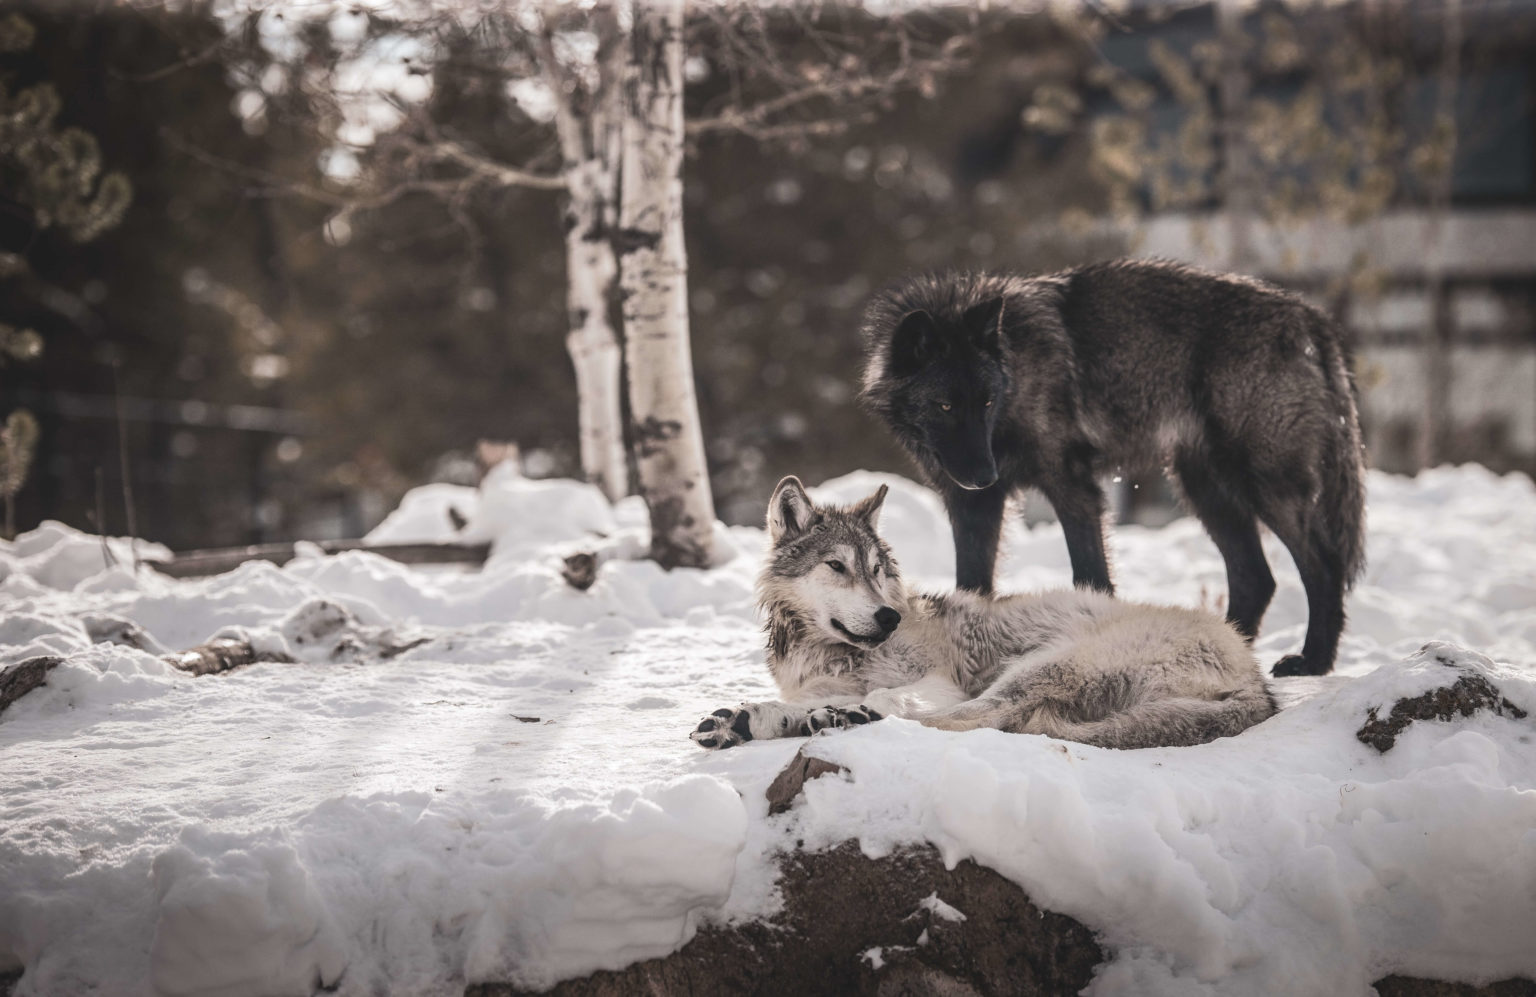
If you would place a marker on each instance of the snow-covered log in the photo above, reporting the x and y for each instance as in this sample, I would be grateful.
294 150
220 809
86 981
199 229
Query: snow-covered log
197 563
668 442
216 656
221 655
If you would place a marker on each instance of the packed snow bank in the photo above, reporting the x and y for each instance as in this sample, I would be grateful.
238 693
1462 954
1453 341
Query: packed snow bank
61 557
1293 859
473 775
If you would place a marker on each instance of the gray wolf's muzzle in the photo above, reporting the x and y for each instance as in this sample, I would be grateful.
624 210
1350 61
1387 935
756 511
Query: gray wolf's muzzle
886 619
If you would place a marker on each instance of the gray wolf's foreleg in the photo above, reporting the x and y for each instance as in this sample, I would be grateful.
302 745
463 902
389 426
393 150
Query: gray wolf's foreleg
728 727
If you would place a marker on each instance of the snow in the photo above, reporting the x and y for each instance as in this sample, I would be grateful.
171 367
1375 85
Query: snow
485 775
1296 860
940 909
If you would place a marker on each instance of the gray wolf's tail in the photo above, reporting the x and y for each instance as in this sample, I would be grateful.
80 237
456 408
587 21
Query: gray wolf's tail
1173 722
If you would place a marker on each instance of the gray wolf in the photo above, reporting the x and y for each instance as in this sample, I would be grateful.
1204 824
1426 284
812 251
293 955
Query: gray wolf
1242 391
847 645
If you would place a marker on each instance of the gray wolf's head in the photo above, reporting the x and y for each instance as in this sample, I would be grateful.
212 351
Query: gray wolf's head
936 371
830 569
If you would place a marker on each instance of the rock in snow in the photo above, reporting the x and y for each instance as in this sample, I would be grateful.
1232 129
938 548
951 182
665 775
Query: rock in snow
380 813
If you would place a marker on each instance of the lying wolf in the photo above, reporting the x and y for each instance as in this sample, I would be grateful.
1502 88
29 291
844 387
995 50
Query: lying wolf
848 645
1240 390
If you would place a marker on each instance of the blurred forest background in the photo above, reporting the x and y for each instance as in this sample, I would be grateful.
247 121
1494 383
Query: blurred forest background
264 252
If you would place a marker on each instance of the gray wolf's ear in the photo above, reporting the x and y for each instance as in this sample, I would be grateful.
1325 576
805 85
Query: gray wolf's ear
868 508
915 344
790 510
984 323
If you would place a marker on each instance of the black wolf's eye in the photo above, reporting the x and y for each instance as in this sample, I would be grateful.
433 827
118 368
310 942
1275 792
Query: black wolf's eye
945 406
989 404
838 566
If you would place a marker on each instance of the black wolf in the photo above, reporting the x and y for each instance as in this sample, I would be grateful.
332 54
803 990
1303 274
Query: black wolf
997 383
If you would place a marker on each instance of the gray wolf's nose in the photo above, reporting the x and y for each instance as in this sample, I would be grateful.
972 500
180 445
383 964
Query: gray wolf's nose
887 618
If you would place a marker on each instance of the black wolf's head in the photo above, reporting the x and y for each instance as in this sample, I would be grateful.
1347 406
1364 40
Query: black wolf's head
828 569
936 372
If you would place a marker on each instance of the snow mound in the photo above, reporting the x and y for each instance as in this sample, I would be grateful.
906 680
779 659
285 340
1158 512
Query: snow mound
426 515
61 557
521 512
612 886
239 918
1297 859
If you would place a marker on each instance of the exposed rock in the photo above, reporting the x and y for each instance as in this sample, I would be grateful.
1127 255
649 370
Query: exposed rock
329 629
787 785
580 571
838 905
21 678
1467 695
103 628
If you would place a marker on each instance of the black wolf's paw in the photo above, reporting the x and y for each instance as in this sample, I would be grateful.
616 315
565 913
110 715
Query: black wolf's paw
1294 664
826 717
724 728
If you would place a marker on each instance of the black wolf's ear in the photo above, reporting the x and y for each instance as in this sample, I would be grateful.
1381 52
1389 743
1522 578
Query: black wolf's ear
915 344
790 510
984 323
868 508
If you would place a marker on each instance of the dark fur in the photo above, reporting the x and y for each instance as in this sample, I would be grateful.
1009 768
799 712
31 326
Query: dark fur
1243 391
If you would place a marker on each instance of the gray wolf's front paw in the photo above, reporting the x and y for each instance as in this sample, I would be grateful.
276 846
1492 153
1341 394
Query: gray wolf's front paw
837 716
724 728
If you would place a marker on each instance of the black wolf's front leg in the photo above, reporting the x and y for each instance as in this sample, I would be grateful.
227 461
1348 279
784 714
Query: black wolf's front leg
1079 504
727 727
976 520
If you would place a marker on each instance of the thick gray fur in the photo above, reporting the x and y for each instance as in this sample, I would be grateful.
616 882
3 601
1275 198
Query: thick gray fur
1242 391
1074 664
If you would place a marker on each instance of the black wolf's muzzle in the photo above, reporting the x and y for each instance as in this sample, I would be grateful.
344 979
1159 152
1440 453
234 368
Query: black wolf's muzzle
969 462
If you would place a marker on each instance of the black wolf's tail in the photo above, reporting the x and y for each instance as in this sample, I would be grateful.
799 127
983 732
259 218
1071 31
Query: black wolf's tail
1341 525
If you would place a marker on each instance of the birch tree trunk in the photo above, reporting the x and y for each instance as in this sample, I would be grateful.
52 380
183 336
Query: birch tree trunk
591 269
590 148
653 267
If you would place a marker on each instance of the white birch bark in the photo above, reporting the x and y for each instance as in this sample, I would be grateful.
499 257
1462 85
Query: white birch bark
594 348
589 147
653 272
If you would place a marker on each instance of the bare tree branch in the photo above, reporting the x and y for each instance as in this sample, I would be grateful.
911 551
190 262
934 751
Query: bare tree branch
498 173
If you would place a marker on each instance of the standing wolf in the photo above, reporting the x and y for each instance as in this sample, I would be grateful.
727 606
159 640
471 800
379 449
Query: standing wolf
999 383
848 645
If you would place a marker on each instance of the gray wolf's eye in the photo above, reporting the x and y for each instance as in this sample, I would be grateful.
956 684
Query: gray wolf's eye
946 406
989 404
838 566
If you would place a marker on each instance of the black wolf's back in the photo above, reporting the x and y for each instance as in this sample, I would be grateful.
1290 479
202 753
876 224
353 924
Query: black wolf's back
1129 350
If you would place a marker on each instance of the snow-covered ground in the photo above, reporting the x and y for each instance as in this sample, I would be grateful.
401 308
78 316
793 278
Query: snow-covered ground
479 775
